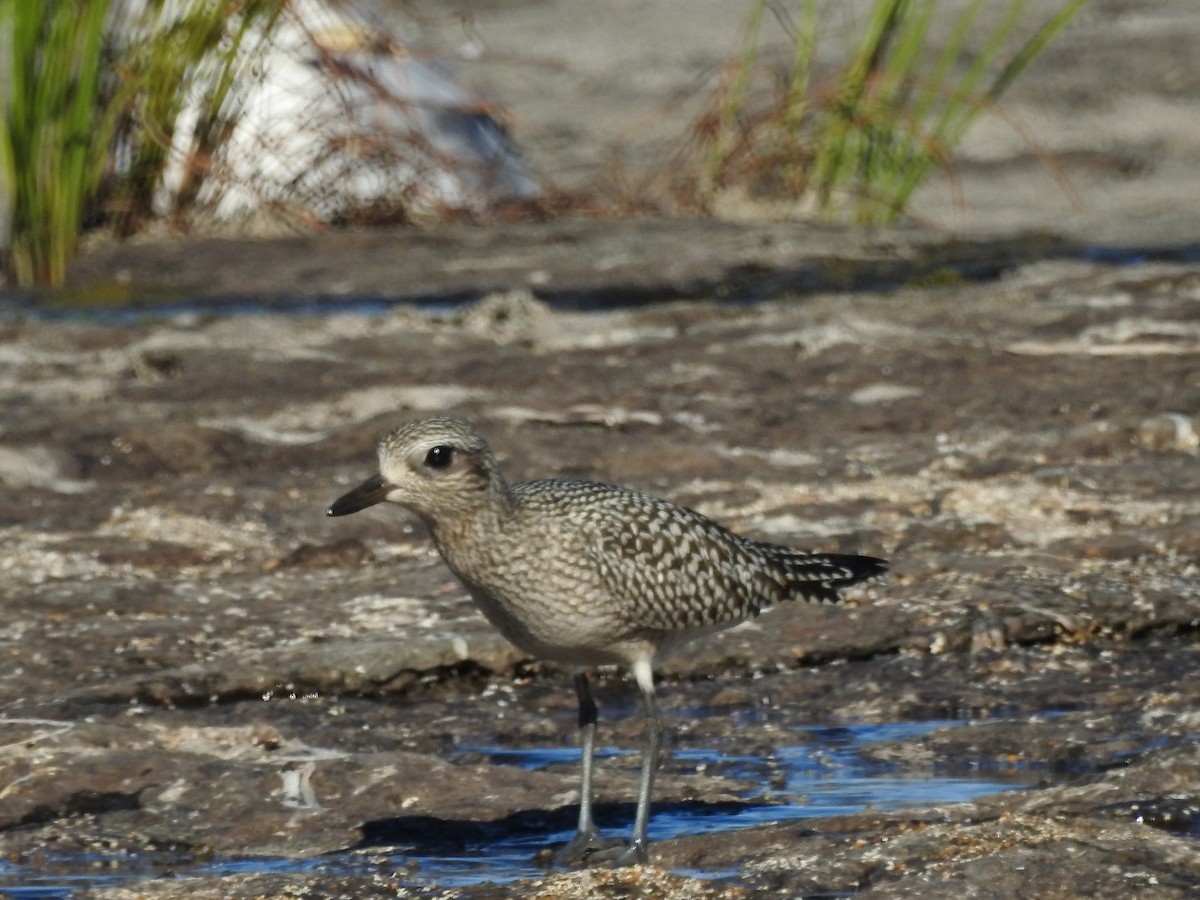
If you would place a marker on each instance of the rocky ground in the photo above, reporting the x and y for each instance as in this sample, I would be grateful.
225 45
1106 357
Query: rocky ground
200 667
199 662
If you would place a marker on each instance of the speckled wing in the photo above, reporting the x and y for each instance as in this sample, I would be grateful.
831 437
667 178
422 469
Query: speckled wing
671 568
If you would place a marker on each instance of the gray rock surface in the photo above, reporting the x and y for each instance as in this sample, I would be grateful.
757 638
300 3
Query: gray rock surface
200 662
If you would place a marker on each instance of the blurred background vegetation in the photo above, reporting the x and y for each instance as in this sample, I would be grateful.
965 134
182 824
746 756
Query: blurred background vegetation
93 91
857 144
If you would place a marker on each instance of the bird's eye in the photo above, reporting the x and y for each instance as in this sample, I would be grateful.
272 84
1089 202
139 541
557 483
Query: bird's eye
439 457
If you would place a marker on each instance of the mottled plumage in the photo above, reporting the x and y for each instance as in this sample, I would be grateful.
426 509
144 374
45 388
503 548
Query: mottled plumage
585 573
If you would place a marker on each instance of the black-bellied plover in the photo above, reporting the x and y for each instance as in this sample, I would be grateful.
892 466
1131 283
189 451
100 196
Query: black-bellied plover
589 574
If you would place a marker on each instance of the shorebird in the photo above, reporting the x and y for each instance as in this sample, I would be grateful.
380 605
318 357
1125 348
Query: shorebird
589 574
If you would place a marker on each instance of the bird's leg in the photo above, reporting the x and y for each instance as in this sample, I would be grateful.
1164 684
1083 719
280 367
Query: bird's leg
587 754
638 850
586 840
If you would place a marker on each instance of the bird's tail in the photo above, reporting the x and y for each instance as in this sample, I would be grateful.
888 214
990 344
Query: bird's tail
818 577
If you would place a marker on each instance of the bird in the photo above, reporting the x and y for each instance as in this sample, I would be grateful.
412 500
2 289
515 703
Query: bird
587 574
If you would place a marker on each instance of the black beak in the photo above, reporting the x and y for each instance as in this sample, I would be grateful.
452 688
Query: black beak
373 490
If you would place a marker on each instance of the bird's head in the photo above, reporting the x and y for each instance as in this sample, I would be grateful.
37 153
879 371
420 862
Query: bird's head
438 468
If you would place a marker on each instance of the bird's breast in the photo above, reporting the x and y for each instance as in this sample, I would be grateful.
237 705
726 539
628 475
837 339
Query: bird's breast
538 592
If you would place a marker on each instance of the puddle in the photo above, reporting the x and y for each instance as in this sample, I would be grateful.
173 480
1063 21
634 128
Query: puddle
823 774
826 775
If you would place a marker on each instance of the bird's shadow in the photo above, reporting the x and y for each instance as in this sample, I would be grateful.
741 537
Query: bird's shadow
433 836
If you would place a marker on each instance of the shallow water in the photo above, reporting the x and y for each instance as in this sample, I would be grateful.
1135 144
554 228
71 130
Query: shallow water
112 304
825 774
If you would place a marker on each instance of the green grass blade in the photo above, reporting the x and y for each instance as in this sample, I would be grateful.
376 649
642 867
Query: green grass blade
1033 48
736 88
66 101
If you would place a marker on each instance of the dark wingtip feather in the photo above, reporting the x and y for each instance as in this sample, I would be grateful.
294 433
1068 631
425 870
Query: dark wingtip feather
854 568
836 571
869 567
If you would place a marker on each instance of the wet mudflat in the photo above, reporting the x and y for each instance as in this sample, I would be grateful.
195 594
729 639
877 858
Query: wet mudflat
209 688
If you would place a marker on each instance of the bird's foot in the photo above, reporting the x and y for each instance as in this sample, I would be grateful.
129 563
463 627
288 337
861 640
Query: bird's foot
620 855
584 847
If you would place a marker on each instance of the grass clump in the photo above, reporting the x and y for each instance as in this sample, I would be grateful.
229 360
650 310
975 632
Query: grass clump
52 152
858 144
177 52
92 90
